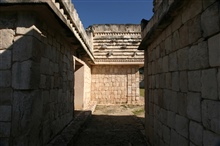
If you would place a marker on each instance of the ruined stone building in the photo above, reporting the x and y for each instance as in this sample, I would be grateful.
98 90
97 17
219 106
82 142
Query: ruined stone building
50 66
182 73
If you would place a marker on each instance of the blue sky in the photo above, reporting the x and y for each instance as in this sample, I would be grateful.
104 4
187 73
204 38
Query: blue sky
113 11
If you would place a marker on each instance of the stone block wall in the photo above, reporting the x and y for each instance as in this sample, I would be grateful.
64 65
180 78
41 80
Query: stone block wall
36 80
115 84
182 65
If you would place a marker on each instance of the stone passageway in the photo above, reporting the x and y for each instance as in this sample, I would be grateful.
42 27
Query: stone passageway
114 126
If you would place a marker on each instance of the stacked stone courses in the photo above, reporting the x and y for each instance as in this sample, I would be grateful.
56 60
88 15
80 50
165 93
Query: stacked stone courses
182 71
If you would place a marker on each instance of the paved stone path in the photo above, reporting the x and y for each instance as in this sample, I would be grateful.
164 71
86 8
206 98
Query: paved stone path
114 126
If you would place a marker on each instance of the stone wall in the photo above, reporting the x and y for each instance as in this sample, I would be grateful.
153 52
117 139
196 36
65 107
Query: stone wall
36 80
115 84
182 74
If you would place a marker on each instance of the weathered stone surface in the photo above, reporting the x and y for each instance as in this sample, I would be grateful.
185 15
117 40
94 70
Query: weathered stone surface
25 75
5 128
177 22
209 84
6 38
194 29
210 115
182 104
210 138
23 51
27 116
6 96
218 78
182 126
5 112
198 56
210 20
5 59
168 45
194 80
184 31
166 134
171 119
183 58
194 106
183 81
165 64
191 10
44 66
173 65
177 140
175 81
207 3
196 133
214 51
5 77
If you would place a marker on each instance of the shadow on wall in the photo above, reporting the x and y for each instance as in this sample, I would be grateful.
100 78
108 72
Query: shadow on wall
35 84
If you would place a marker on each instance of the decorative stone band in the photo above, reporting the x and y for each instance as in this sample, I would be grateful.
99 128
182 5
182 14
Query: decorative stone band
117 33
119 60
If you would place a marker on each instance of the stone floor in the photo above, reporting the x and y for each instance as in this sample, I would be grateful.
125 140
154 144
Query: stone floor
114 125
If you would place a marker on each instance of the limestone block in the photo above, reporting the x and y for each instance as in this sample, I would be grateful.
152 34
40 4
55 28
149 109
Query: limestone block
166 134
183 81
23 51
177 140
165 64
5 128
5 112
171 119
43 81
210 115
194 27
173 102
194 80
25 75
214 51
27 112
6 96
196 133
183 58
182 126
175 81
218 77
175 41
5 59
207 3
6 38
5 77
194 106
177 22
173 65
182 104
191 10
209 84
168 45
184 31
210 138
198 56
210 20
44 66
168 79
167 99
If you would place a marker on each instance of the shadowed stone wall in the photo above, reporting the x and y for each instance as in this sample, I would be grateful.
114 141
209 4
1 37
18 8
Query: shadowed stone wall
182 72
36 80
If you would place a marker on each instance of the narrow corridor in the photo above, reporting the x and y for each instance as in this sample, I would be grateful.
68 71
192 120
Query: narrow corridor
114 126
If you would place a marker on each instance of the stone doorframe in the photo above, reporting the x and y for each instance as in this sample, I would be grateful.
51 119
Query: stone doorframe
79 92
